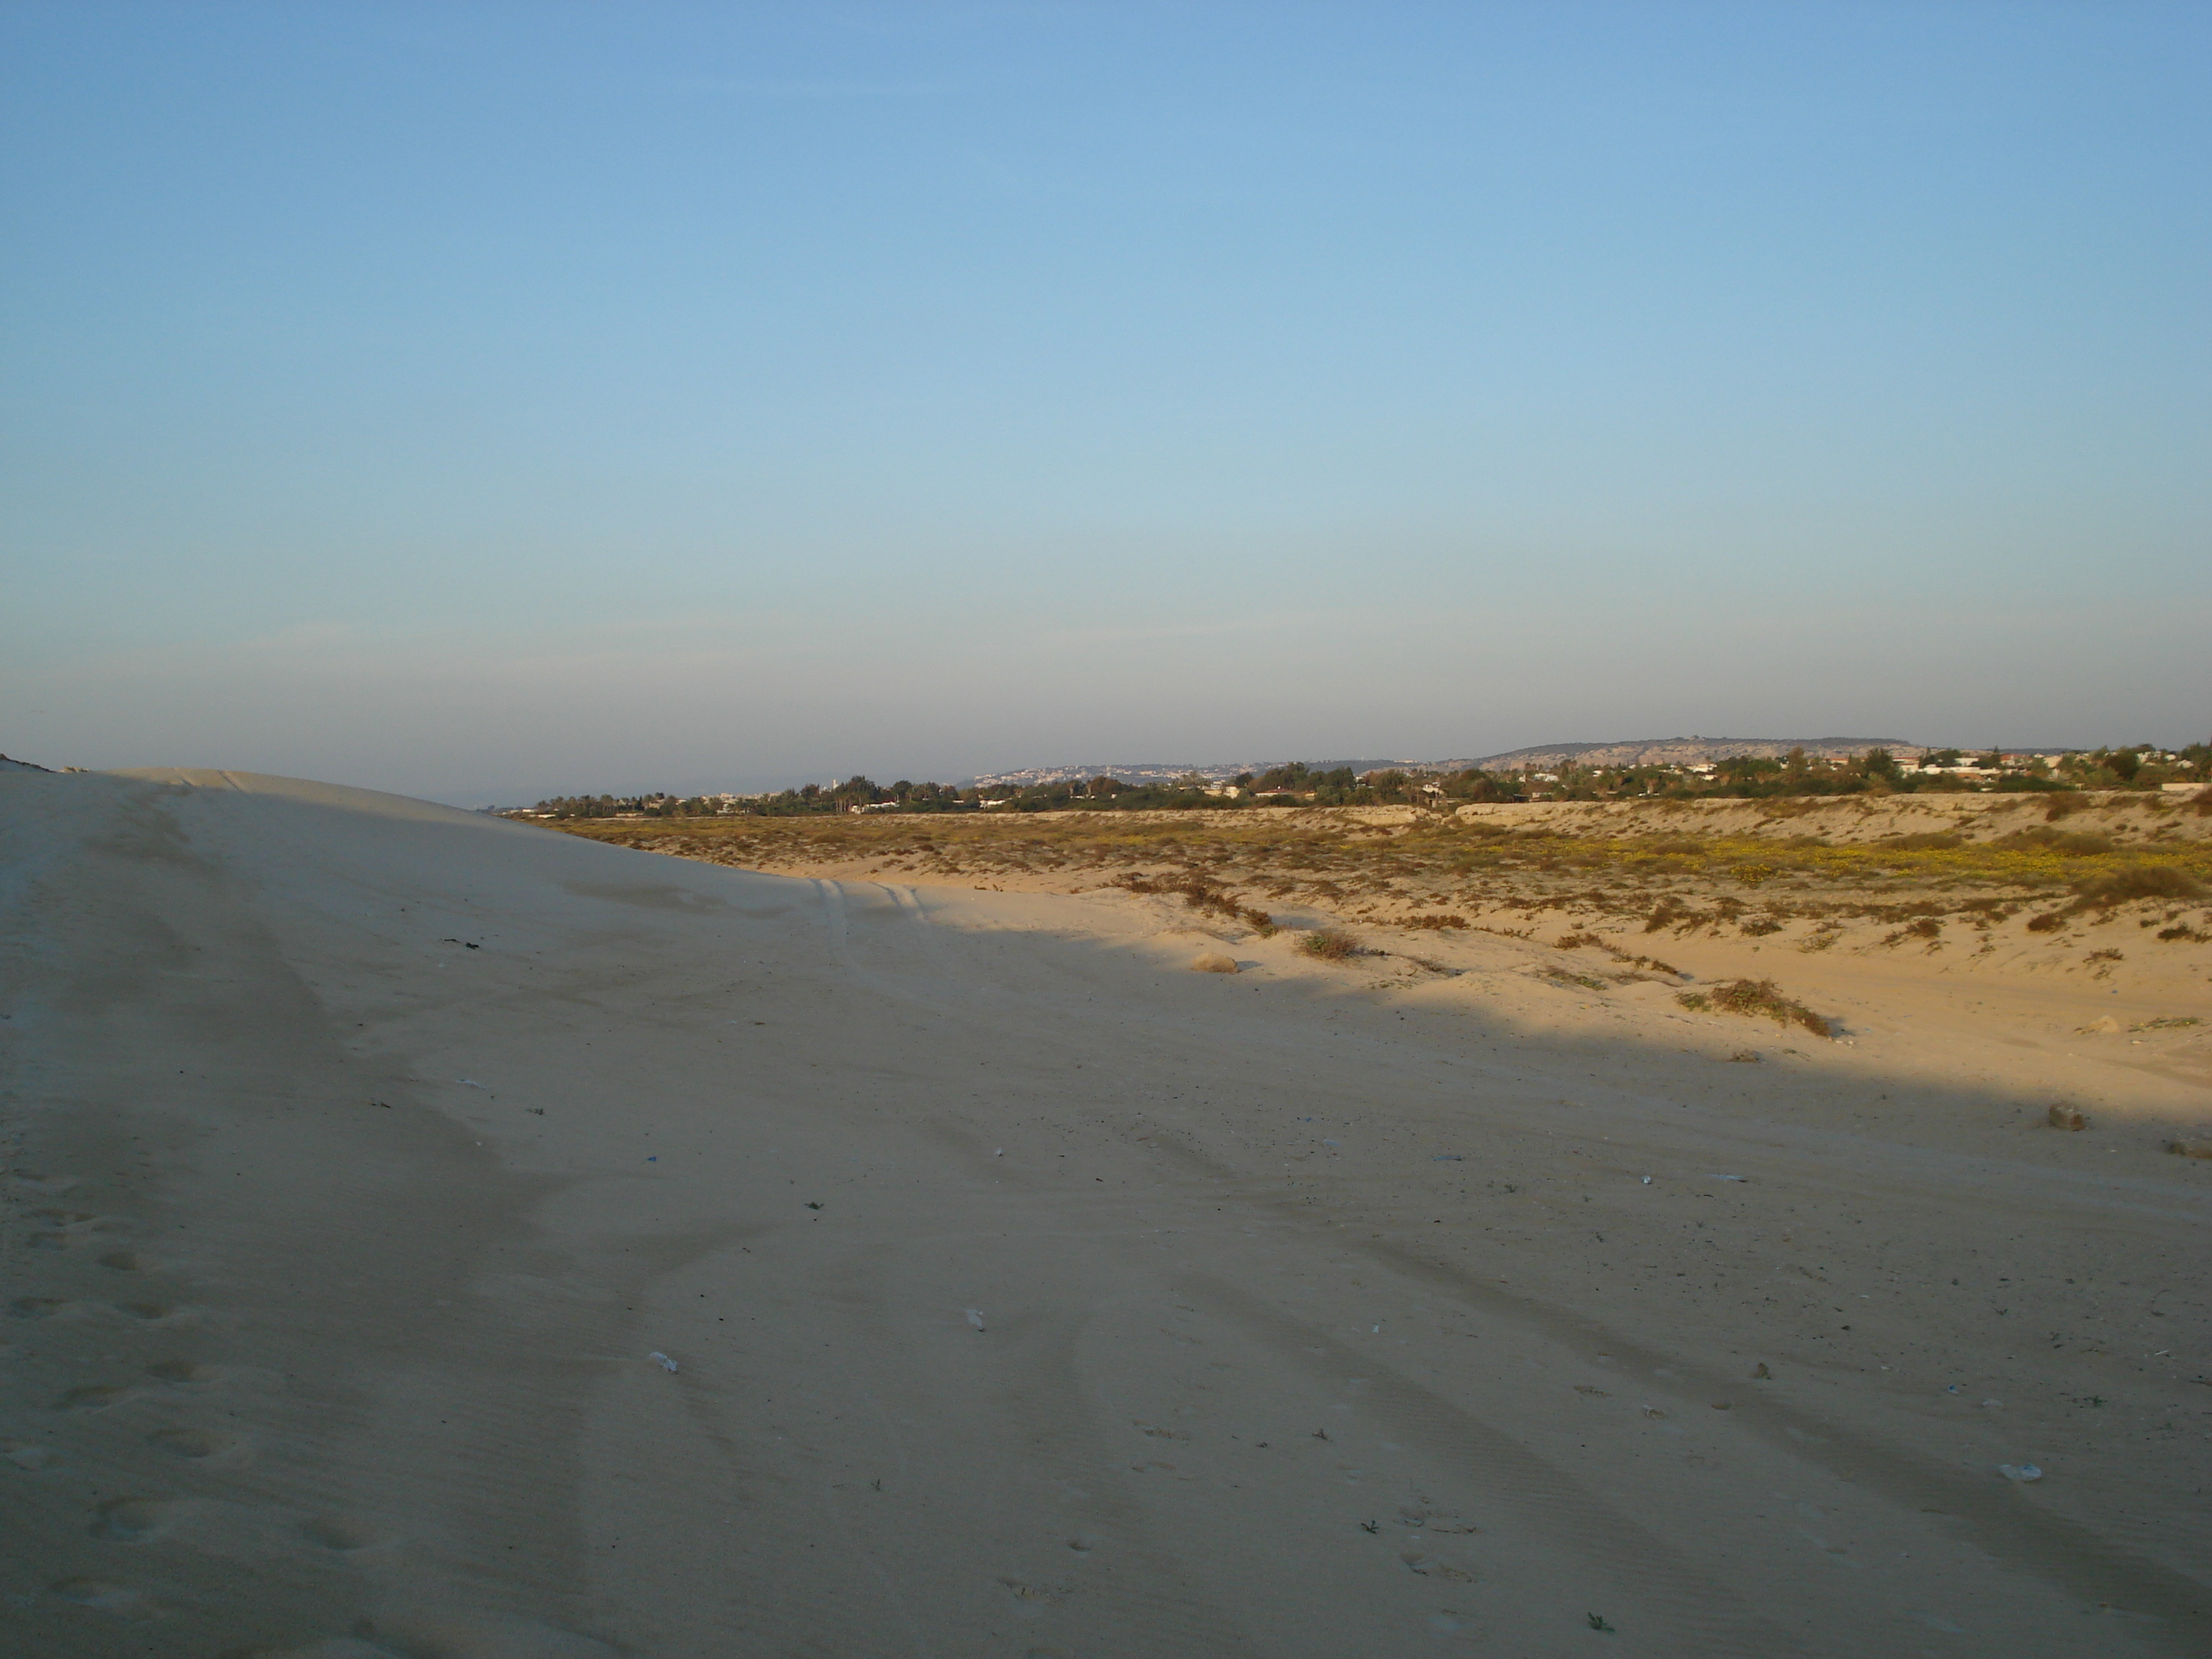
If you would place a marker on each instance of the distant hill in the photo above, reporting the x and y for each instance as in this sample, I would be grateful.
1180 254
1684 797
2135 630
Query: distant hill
1677 752
1161 772
1634 751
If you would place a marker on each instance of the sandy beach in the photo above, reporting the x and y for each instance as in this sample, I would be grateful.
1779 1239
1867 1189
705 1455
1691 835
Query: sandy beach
435 1238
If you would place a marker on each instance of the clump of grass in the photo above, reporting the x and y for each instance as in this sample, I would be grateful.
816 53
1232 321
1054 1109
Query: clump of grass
1332 944
2049 922
1927 927
2183 930
1575 941
2140 881
1758 999
1202 895
1760 927
1590 981
1434 924
2066 842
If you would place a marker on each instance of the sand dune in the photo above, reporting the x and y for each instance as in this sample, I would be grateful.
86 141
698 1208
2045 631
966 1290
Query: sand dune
1026 1292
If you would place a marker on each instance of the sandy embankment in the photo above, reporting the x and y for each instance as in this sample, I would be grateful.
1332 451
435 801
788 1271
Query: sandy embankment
1030 1294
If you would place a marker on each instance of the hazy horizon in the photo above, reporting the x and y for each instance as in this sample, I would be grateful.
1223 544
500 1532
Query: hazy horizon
485 402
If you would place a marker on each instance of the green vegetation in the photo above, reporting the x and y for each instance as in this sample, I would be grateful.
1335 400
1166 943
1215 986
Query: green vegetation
1331 945
1202 895
1796 776
1758 999
1635 873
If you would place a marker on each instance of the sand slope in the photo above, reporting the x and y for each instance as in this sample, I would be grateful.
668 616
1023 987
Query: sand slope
1030 1294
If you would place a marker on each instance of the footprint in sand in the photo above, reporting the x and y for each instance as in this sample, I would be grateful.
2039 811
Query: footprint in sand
93 1397
187 1374
336 1533
128 1520
63 1230
1030 1599
461 1637
104 1595
199 1446
52 1186
25 1455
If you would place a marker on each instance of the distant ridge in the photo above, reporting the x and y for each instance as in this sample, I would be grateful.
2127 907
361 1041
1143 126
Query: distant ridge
1678 751
1161 772
1633 751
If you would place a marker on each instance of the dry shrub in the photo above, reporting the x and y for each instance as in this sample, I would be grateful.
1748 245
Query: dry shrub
1760 927
2183 930
1665 914
1927 927
1759 999
1587 981
2049 922
2063 806
1575 941
1201 895
1434 924
2140 881
1331 945
2068 843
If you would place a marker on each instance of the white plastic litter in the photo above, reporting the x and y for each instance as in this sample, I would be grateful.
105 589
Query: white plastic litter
2022 1473
1647 1181
975 1317
663 1361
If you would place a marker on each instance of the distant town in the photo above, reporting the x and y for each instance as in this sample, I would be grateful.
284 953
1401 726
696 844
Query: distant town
1676 767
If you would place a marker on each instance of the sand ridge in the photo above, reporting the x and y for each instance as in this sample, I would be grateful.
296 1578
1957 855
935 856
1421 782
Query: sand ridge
1030 1292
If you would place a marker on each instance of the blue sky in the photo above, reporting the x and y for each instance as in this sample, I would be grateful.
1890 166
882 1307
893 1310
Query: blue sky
482 401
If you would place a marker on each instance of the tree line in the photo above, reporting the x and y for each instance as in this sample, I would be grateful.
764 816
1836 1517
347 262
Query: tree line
1876 771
